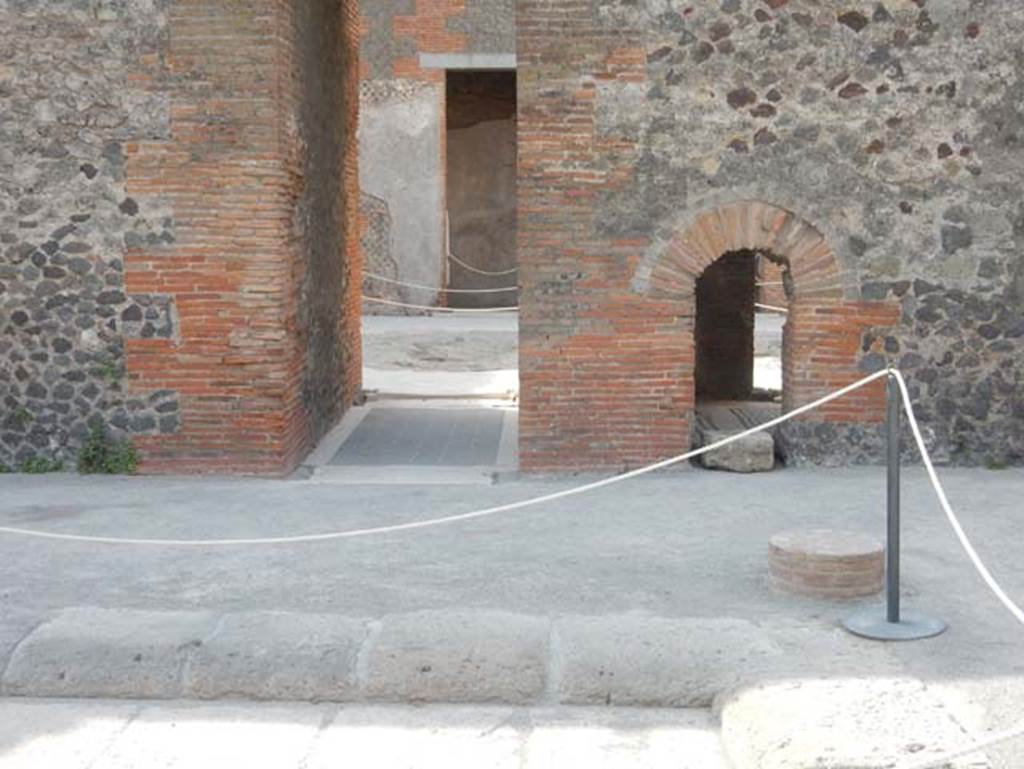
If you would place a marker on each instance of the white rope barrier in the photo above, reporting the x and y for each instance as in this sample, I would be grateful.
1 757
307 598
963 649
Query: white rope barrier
438 288
449 519
771 308
972 554
940 493
427 308
452 257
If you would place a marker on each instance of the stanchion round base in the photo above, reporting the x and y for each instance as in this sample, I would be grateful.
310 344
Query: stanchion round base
871 623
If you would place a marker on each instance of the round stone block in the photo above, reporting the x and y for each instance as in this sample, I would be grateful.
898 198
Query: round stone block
827 563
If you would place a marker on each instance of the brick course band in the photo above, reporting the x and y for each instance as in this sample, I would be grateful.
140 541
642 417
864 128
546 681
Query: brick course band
826 563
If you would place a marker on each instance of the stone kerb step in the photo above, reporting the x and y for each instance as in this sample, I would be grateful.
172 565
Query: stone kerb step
430 656
766 680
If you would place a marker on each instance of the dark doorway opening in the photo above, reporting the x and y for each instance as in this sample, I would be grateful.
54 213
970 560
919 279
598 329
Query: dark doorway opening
481 188
737 357
724 331
742 305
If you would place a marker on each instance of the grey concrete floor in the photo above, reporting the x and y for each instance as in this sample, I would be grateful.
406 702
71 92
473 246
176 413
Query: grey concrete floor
688 543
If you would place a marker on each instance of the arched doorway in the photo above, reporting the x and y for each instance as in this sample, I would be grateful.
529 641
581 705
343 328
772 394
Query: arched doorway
715 253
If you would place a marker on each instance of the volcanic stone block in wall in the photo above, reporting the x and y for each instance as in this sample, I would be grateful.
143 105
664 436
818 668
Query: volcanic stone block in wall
148 316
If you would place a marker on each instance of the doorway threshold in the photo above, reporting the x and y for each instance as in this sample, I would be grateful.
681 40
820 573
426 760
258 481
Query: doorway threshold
419 442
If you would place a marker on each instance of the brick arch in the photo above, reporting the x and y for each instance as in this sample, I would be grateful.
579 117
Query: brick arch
670 270
825 328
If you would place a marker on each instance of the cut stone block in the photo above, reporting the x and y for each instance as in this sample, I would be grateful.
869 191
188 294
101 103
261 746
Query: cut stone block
452 656
753 454
654 661
279 656
107 653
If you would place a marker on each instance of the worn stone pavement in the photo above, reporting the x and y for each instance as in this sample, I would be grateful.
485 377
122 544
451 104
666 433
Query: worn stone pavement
165 735
653 593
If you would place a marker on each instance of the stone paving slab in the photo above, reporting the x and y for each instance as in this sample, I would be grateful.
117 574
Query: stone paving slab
181 736
51 734
810 724
623 738
487 737
87 734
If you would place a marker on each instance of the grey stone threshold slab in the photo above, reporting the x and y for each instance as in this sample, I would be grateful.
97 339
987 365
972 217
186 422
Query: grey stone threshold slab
405 475
318 466
786 695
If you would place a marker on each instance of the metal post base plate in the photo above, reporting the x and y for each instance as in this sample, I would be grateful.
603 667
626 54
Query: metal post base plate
871 623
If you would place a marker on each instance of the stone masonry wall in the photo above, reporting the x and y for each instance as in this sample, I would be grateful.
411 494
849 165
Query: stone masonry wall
655 136
68 220
169 199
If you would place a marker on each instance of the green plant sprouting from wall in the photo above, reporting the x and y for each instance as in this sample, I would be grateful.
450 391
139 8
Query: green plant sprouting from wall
102 454
21 418
108 371
40 465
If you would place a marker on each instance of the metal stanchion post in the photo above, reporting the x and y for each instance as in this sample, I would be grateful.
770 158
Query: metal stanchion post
892 624
892 549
